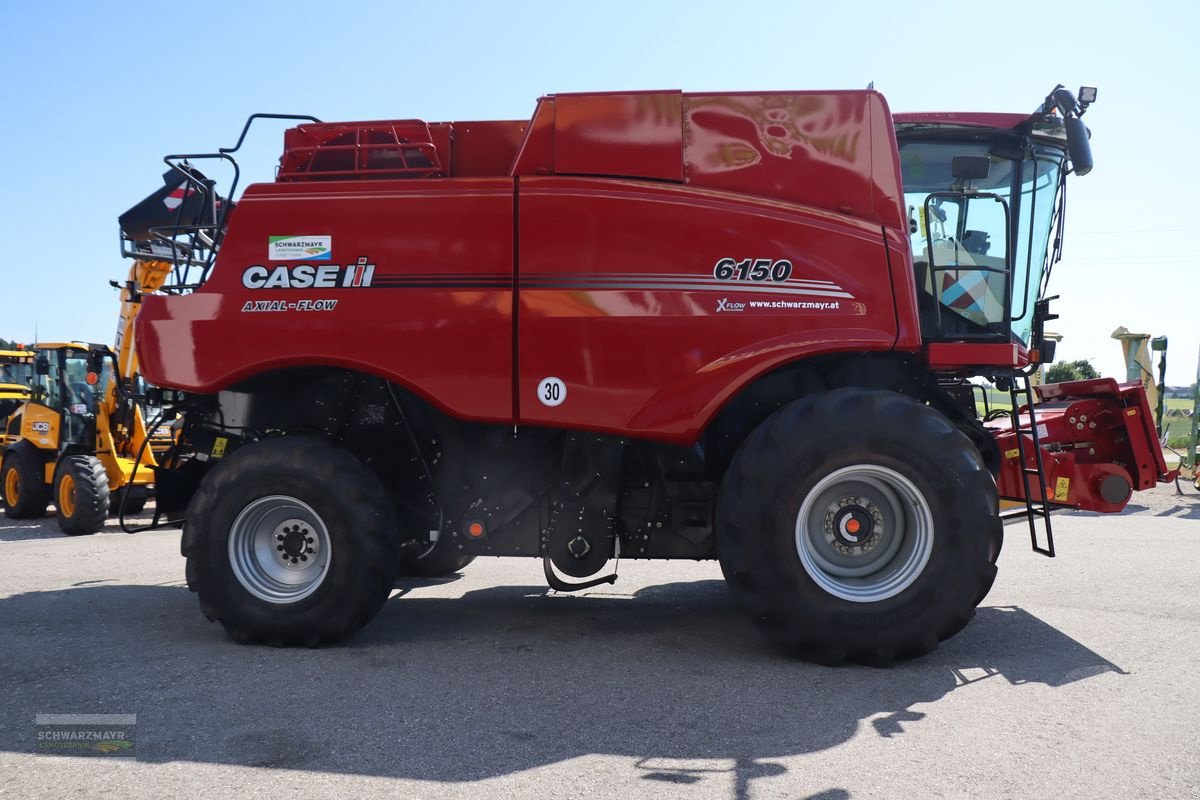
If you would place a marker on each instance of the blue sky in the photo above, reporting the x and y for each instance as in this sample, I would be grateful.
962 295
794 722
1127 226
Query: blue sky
96 93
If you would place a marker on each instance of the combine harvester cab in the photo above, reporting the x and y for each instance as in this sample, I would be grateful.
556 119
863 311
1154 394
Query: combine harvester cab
740 326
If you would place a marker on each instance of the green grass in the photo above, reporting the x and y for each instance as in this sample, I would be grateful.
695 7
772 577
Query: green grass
996 399
1178 428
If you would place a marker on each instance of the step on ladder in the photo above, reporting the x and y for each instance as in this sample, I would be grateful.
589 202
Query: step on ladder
1021 391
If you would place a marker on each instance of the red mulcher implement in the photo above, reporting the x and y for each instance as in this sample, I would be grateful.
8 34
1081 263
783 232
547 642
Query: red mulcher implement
737 326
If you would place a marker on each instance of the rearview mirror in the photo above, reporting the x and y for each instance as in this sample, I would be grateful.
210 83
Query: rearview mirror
1078 146
970 168
42 365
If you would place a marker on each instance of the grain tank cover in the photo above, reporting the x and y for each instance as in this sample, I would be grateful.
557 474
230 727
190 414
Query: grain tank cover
831 150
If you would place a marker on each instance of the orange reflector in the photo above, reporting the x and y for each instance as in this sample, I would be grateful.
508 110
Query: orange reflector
475 529
853 525
92 378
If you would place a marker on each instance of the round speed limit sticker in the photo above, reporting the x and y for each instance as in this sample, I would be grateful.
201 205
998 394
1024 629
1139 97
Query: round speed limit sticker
552 392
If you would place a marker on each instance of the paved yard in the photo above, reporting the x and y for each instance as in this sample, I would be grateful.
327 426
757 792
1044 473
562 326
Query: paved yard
1078 678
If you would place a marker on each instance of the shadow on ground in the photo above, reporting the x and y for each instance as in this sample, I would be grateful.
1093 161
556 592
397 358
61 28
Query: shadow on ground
502 680
46 527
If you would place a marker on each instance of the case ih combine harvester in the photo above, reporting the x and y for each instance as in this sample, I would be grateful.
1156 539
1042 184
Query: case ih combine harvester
641 325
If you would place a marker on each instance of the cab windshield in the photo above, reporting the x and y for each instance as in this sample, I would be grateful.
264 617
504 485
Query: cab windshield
19 373
65 387
967 288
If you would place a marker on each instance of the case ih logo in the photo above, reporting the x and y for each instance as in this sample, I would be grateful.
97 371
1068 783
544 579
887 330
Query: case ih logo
307 276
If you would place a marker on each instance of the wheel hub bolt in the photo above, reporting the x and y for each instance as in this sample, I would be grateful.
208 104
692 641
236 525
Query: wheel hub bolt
296 542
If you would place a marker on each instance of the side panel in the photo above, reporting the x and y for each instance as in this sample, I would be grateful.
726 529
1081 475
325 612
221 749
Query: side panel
409 280
639 134
485 149
40 426
621 299
833 150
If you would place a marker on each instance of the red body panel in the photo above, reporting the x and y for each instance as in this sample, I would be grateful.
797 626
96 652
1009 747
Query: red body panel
957 356
618 295
592 135
437 317
832 150
618 299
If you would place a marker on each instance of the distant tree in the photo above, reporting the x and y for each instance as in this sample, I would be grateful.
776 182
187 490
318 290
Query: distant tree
5 344
1085 369
1080 370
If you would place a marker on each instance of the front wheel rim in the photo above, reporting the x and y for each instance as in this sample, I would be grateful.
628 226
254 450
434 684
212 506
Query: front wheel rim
864 533
279 549
12 487
66 495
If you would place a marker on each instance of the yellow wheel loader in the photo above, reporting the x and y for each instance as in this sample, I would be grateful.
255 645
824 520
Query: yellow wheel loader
16 386
80 439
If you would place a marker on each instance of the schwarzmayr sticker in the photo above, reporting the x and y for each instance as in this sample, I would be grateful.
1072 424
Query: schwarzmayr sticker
300 248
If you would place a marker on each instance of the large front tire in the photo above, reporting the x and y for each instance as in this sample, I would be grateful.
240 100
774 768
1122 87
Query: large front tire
81 496
291 541
858 525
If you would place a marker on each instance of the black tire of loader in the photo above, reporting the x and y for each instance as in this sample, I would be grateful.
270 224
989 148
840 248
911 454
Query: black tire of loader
446 559
352 503
91 497
33 495
135 504
787 455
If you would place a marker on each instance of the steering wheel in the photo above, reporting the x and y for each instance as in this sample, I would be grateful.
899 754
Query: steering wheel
81 393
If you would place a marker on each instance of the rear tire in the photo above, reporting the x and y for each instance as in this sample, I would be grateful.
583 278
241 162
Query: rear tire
858 525
81 495
22 487
258 500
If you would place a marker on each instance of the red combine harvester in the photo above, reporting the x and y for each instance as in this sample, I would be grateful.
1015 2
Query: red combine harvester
640 325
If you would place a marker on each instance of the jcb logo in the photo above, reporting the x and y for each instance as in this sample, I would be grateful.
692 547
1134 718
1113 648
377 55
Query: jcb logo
41 427
307 276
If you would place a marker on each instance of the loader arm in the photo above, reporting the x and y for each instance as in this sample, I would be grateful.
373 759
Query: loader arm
126 430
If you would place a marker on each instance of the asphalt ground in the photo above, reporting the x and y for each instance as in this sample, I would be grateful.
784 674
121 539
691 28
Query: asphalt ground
1077 678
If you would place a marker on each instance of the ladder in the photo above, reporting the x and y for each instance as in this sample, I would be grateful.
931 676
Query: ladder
1021 391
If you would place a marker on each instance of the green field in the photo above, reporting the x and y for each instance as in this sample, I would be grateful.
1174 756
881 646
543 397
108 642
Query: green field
1178 429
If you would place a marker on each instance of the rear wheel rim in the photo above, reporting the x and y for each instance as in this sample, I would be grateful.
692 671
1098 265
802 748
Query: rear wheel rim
12 487
864 533
66 495
279 549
